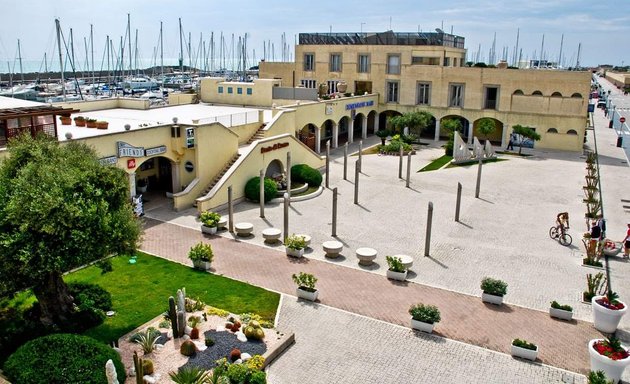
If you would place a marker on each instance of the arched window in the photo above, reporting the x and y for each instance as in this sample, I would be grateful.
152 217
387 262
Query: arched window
552 130
518 92
536 93
577 95
572 132
556 94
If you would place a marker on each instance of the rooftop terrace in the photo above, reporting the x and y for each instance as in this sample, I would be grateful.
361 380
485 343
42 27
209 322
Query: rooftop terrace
383 38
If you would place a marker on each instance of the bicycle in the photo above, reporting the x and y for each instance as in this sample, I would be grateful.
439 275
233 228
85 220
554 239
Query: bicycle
559 233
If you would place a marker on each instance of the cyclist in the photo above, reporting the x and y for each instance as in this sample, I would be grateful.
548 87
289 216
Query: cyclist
562 221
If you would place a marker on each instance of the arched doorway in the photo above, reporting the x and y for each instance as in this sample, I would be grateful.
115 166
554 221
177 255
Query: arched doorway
275 169
357 127
495 137
384 116
326 134
429 131
371 123
343 135
463 130
155 175
307 135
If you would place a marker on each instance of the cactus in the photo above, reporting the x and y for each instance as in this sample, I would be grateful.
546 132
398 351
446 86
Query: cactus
138 365
147 367
172 314
188 348
181 323
254 330
596 285
181 300
110 372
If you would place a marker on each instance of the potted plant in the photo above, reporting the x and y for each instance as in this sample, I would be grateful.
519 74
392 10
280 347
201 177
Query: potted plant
90 123
79 121
201 255
65 120
607 312
396 270
141 185
306 286
209 222
564 312
295 245
609 356
102 124
521 348
424 317
597 377
493 290
193 322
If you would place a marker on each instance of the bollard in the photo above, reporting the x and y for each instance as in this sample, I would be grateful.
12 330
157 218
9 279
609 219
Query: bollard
356 182
360 154
289 175
345 162
400 156
261 194
334 213
286 216
427 241
230 211
327 163
459 200
478 180
408 168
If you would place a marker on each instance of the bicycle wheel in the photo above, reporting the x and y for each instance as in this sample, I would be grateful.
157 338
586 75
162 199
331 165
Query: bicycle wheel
565 239
553 232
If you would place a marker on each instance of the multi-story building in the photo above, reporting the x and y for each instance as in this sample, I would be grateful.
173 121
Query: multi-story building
427 71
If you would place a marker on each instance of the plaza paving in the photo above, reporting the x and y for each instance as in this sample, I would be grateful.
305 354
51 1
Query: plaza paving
503 234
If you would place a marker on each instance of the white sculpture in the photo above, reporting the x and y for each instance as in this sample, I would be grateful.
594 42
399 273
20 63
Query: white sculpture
478 149
110 372
460 149
489 151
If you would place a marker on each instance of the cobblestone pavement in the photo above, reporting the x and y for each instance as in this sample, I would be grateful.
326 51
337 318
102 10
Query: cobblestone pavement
334 346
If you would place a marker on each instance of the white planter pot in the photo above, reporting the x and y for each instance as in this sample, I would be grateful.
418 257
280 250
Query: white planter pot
203 265
561 314
525 353
306 295
295 252
612 368
209 230
422 326
141 189
400 276
604 319
492 299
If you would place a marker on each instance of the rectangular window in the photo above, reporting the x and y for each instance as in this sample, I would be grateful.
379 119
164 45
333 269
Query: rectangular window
393 64
308 83
423 60
363 63
230 90
309 61
335 62
332 86
239 90
447 61
220 89
456 95
392 91
423 94
249 91
492 98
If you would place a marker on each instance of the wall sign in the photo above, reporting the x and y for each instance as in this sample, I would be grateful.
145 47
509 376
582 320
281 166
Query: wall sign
189 166
131 163
128 150
273 147
109 160
360 104
155 150
190 137
329 109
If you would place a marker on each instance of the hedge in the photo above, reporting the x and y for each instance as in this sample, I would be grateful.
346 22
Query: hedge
305 174
252 189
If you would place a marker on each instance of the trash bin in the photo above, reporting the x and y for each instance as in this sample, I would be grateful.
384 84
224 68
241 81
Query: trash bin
619 141
610 124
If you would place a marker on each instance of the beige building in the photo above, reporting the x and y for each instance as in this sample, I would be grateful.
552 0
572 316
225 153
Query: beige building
426 71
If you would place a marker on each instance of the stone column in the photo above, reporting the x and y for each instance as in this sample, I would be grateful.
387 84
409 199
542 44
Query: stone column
437 130
351 131
318 135
364 127
132 184
289 176
176 177
376 123
335 138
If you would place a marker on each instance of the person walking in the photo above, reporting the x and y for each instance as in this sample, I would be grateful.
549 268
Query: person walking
626 244
510 143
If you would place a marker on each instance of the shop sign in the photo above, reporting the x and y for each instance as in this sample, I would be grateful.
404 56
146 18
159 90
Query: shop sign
131 163
360 104
155 151
128 150
109 160
190 137
273 147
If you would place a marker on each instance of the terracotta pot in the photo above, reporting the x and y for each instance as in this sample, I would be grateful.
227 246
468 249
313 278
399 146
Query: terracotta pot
90 124
79 123
65 120
102 124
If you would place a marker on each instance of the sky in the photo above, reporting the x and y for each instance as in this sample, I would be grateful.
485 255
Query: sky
602 28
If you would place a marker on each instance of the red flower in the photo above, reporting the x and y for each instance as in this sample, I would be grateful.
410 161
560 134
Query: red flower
614 352
614 305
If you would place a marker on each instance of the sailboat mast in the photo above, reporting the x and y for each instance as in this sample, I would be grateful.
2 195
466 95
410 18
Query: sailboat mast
516 53
130 50
542 47
560 55
45 64
161 53
181 47
87 58
189 50
136 53
20 60
212 51
577 63
92 49
63 83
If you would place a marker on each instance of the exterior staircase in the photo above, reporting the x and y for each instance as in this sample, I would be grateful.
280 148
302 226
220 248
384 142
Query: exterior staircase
259 134
218 176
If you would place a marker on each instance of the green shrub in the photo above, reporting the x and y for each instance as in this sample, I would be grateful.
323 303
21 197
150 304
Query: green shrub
256 363
305 281
258 377
209 218
305 174
493 286
395 264
201 252
188 348
524 344
95 295
237 373
554 304
209 341
252 189
598 377
295 242
190 375
425 313
394 146
62 358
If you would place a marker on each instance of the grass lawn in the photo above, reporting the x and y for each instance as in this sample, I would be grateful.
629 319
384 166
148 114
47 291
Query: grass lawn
473 162
437 163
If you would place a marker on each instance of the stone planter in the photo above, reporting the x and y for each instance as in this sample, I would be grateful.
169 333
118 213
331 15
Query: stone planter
525 353
400 276
561 314
203 265
492 299
612 368
604 319
342 87
422 326
306 295
209 230
295 252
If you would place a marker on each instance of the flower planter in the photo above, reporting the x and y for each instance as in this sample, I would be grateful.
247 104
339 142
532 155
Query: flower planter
492 299
561 314
65 120
90 124
525 353
295 252
102 124
209 230
604 319
422 326
306 295
203 265
612 368
79 123
400 276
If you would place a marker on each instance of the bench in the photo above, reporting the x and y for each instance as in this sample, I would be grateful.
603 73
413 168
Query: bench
243 229
271 235
366 255
332 248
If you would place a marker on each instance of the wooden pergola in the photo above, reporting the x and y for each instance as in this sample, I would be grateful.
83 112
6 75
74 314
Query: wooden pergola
35 120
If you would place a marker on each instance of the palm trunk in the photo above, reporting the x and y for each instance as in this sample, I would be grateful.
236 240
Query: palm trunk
55 301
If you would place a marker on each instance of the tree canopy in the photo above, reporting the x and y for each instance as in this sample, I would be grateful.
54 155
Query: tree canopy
417 121
527 132
60 209
486 126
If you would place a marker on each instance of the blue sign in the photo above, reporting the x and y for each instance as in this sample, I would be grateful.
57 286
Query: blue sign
591 108
360 104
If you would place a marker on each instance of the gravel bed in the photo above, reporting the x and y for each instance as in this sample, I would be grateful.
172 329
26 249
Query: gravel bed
224 342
